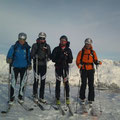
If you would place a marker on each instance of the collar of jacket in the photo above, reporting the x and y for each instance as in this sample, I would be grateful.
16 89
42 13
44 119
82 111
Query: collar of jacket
25 46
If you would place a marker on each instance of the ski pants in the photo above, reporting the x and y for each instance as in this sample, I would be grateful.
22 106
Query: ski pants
41 71
87 74
59 73
23 79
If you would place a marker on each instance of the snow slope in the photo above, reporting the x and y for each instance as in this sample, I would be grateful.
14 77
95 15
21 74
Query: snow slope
107 99
109 73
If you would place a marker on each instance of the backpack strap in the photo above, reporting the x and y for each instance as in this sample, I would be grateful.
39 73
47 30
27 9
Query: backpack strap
81 61
92 54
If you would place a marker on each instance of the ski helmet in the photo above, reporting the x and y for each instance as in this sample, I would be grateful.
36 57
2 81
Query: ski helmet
88 41
22 36
42 35
64 37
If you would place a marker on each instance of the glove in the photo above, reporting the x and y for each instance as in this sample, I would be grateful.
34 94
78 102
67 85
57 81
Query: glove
45 48
29 67
9 60
65 79
98 63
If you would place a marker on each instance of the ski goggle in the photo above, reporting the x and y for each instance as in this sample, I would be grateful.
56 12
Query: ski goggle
22 40
42 38
63 41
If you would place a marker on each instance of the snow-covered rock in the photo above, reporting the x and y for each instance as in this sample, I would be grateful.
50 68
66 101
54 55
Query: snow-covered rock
108 73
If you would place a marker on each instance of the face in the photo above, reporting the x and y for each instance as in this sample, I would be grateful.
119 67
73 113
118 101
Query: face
63 42
42 39
87 46
22 41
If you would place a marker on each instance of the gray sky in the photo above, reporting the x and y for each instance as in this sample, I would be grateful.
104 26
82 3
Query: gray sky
78 19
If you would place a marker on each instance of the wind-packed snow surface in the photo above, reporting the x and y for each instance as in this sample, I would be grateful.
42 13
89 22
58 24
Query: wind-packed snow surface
107 98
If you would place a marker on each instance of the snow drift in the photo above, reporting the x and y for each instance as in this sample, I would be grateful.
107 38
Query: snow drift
108 73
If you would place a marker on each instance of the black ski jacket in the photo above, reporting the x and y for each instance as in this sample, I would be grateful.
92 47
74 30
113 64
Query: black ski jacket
43 51
62 57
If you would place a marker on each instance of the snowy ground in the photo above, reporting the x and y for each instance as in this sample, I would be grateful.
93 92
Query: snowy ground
108 98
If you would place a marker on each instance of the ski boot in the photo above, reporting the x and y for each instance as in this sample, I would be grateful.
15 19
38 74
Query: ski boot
42 100
12 100
58 102
20 99
35 98
67 101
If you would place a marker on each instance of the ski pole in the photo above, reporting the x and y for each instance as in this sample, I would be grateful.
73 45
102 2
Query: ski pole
37 76
9 82
64 86
49 88
99 89
27 73
78 94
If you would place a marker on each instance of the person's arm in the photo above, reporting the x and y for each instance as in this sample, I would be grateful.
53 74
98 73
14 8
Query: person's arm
78 60
33 51
10 53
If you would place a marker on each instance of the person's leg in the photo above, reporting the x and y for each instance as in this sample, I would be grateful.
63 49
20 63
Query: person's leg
36 80
23 80
91 93
83 84
65 76
14 75
58 74
42 70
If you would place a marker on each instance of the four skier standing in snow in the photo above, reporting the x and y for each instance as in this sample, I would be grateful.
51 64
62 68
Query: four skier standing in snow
19 57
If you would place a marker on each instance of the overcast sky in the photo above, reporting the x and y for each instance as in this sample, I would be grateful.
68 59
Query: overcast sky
78 19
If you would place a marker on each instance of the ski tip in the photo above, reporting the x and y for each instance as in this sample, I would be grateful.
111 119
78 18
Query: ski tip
31 109
3 112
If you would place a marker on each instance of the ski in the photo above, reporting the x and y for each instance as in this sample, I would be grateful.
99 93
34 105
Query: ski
37 103
61 109
84 110
70 110
92 112
7 109
55 107
51 105
27 108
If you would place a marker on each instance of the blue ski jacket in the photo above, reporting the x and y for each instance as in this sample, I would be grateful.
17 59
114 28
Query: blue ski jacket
20 55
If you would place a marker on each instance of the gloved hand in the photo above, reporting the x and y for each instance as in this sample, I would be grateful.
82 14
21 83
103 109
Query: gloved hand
65 79
45 48
98 63
29 67
9 60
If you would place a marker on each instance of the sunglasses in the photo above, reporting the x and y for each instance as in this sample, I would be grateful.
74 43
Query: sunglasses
22 39
42 38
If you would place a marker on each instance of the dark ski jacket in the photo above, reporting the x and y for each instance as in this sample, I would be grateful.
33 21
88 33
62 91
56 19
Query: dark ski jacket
62 57
20 55
43 51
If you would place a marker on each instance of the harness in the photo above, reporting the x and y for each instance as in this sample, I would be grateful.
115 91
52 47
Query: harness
83 63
